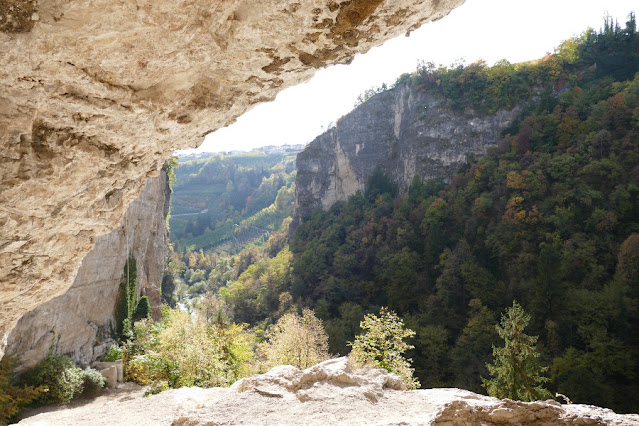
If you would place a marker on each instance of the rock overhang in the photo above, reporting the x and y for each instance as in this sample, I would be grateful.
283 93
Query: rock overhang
95 95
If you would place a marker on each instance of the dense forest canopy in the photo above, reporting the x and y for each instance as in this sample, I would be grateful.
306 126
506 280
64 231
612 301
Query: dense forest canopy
549 218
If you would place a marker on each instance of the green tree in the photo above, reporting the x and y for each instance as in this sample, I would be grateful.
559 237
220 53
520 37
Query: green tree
127 293
472 349
516 373
142 310
296 340
382 345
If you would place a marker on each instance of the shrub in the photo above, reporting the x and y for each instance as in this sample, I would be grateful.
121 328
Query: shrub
61 376
296 340
142 310
13 397
382 345
64 380
114 353
93 382
185 350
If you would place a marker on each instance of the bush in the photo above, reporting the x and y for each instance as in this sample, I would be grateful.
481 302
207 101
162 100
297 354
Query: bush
382 345
12 397
61 376
114 354
93 383
296 340
185 350
64 380
142 310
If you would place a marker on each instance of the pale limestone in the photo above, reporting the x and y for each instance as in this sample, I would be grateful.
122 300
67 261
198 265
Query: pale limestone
118 368
404 132
79 323
110 373
96 94
326 394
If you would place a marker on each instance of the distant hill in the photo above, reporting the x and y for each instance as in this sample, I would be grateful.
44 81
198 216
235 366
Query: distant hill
218 199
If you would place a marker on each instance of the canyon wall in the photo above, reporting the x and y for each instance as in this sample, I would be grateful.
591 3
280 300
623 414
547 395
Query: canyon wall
95 95
403 131
79 323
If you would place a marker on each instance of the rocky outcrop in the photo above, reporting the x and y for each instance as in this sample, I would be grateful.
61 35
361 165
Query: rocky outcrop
95 95
402 131
328 393
318 382
80 322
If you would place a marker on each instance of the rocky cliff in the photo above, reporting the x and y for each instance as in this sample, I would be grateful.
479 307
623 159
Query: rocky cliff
96 94
403 131
79 322
325 394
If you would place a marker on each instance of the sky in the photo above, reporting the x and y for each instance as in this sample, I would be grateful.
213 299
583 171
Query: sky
491 30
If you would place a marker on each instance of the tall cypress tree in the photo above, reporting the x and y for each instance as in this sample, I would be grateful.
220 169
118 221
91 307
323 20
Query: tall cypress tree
125 303
515 371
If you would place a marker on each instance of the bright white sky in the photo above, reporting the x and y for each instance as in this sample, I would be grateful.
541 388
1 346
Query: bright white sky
515 30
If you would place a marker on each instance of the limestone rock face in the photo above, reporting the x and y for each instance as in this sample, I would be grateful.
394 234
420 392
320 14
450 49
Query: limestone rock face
404 132
79 322
326 394
319 382
96 94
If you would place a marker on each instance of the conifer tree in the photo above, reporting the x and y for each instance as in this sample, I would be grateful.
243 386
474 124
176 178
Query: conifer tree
515 371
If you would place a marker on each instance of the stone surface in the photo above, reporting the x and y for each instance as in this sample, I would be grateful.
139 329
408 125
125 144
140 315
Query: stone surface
319 382
328 393
79 322
111 375
117 366
96 94
404 132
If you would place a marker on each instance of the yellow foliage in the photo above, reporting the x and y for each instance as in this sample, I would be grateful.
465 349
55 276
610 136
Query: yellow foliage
515 180
295 340
185 350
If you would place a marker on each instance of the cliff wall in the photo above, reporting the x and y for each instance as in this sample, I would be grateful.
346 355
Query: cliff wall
95 95
404 132
79 323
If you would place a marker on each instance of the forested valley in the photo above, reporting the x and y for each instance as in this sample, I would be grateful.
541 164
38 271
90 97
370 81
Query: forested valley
220 205
549 217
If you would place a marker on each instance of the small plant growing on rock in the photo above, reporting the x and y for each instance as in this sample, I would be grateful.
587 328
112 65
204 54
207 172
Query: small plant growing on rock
382 346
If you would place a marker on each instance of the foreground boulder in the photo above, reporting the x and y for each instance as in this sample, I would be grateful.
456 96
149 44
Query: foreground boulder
328 393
